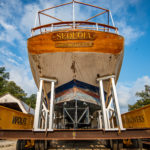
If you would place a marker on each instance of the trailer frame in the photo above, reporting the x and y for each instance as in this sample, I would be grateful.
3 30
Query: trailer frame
76 134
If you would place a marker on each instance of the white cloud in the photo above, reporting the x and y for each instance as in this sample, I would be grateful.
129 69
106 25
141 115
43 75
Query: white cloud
17 19
19 70
28 13
6 52
64 13
122 17
20 74
6 26
12 61
12 57
126 92
130 33
28 19
10 33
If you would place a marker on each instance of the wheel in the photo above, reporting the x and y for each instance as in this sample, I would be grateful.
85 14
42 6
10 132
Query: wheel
21 145
115 145
140 144
36 145
46 144
120 144
137 143
40 145
109 143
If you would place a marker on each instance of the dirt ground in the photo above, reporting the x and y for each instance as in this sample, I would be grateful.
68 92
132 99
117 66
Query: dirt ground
11 145
7 145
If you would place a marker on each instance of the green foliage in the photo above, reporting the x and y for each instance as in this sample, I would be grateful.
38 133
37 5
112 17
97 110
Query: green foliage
3 74
12 88
15 90
31 101
3 77
144 99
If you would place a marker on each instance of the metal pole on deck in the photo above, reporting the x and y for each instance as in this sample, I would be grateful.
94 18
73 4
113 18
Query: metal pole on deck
73 14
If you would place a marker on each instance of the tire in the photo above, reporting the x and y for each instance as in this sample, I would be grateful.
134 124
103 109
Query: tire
120 144
18 145
137 143
40 145
36 145
115 145
46 144
109 143
21 145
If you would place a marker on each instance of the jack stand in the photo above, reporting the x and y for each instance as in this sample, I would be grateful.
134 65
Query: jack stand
109 113
43 118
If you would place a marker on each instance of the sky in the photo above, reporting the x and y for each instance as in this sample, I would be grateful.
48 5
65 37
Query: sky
132 17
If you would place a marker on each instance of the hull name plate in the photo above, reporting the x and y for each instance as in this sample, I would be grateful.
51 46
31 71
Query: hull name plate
73 35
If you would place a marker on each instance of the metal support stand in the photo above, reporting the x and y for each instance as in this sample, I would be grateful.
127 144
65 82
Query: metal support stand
110 114
76 115
43 118
105 123
99 119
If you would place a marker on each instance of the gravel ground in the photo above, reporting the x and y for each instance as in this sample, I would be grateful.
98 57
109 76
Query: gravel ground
8 145
11 145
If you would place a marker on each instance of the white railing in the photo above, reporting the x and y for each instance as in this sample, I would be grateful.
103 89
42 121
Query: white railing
73 25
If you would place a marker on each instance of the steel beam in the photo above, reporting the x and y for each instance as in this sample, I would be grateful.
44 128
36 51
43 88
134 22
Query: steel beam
48 79
105 77
76 134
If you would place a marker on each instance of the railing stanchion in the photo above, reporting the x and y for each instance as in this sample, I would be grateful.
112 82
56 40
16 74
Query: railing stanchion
73 13
52 28
96 26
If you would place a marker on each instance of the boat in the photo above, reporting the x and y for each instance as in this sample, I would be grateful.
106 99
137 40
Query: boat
75 53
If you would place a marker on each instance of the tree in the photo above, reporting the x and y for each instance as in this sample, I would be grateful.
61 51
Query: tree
15 90
3 79
31 101
3 75
144 99
12 88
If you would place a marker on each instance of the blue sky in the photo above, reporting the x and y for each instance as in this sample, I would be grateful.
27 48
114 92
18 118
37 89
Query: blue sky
132 17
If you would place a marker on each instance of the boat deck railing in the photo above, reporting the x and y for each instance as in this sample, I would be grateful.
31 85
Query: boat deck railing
66 25
73 25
